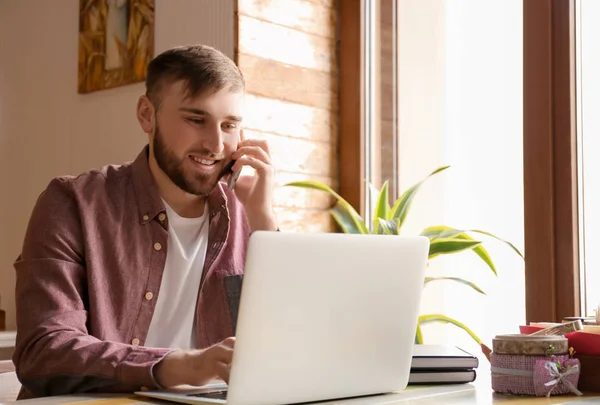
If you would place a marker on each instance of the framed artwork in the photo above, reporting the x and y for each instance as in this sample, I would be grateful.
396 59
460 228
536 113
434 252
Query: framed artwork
116 42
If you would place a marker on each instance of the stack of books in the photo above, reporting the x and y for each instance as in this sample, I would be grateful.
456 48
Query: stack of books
438 364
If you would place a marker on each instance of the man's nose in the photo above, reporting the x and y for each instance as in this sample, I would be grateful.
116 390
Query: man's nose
213 140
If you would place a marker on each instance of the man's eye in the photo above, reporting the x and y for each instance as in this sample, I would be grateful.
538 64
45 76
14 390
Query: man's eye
196 120
230 126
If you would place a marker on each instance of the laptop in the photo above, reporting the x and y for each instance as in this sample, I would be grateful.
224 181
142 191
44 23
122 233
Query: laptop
322 316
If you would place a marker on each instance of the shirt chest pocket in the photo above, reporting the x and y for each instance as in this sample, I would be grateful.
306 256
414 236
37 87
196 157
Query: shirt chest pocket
233 291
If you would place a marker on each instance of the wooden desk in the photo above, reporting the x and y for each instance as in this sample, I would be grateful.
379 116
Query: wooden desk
478 393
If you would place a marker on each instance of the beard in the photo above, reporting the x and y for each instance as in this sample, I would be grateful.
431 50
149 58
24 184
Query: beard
200 184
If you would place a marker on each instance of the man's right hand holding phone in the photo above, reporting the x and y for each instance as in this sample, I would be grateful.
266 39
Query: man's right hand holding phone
255 192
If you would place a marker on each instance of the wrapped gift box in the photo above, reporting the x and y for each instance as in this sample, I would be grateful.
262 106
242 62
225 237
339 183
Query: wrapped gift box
586 344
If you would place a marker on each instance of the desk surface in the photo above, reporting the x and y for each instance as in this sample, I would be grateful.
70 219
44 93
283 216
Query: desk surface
7 338
478 393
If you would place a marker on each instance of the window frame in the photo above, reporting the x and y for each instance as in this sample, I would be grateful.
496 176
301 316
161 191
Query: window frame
351 104
552 279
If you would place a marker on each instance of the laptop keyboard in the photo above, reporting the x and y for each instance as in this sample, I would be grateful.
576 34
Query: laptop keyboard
211 395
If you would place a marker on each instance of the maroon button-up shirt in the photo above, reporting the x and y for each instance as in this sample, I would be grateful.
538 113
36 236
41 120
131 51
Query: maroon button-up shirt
94 247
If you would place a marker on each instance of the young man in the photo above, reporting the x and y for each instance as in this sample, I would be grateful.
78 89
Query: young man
122 282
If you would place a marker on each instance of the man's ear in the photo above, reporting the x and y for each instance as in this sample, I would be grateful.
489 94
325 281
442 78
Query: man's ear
145 114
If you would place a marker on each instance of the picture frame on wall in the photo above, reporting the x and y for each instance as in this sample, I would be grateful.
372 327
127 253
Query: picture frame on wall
116 43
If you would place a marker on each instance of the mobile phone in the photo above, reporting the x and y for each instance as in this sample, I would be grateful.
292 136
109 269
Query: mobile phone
233 175
233 178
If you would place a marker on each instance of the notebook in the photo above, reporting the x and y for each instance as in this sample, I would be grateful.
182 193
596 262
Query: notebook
441 377
441 364
436 357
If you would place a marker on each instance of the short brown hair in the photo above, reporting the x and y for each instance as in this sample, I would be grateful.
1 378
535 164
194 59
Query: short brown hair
202 67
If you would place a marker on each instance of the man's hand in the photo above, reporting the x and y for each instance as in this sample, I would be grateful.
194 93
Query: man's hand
196 367
256 192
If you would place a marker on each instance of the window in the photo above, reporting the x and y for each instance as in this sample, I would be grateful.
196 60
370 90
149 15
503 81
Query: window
487 87
588 125
449 92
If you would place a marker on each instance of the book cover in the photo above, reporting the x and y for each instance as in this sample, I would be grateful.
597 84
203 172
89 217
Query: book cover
441 377
441 357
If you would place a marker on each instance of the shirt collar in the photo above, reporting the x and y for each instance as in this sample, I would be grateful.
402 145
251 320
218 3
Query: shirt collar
148 198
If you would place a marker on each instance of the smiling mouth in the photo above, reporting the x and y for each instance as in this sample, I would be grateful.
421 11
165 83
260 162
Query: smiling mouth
203 161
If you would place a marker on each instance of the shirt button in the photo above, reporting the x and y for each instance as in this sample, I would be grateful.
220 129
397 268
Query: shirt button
149 296
145 217
135 342
157 246
162 217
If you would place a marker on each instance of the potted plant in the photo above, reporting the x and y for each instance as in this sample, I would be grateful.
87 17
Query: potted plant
388 220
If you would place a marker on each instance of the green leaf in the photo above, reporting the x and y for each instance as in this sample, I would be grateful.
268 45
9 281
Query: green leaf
344 220
439 318
419 336
513 247
315 185
441 231
382 207
458 280
481 252
450 245
387 227
342 205
359 222
403 204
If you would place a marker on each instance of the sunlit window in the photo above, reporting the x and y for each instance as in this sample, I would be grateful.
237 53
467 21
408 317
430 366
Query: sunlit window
588 125
451 94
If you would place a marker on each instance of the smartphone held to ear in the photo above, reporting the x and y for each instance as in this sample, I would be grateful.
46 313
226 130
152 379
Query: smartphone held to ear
233 178
233 175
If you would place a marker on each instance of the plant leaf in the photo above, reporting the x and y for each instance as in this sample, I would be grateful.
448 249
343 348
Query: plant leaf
344 205
419 336
450 245
501 240
440 231
457 279
431 318
387 227
382 207
315 185
403 204
481 252
344 220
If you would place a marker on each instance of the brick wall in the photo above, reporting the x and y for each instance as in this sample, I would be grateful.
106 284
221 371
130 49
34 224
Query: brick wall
287 52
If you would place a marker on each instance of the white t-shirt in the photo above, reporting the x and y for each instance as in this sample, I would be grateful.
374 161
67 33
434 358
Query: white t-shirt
172 324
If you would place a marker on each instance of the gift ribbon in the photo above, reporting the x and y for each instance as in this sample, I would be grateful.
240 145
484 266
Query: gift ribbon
560 377
511 371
